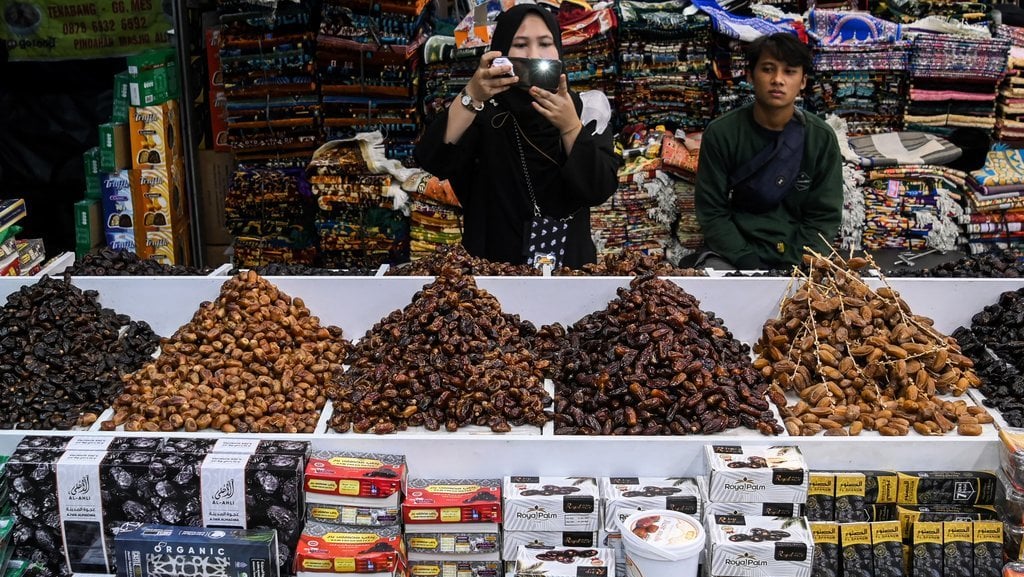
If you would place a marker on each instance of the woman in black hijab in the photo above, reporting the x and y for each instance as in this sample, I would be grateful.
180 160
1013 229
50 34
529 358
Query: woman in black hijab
511 153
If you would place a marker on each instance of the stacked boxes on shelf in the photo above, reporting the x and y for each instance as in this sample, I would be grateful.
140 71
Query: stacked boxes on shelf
11 211
623 496
353 523
452 527
744 485
70 494
552 519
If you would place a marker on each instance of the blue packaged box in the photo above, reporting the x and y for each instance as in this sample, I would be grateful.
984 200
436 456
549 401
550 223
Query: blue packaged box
146 550
118 213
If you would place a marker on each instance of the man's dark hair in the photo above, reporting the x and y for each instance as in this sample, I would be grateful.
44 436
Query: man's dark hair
781 46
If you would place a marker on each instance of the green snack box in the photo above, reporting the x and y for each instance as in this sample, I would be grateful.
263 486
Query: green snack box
88 226
115 148
153 77
122 82
91 162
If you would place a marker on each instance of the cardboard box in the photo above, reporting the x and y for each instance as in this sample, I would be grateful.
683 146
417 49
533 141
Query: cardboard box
154 76
856 549
439 539
115 147
624 496
165 244
754 509
513 540
851 500
946 487
821 497
926 550
447 567
988 548
826 547
91 163
215 95
452 501
215 172
565 562
957 549
122 101
910 515
31 252
742 546
370 479
155 135
118 212
146 550
350 549
551 504
776 474
887 544
88 226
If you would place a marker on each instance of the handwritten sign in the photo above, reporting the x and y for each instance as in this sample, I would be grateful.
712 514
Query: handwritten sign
76 29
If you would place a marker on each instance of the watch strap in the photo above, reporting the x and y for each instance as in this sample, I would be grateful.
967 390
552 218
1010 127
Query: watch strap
469 102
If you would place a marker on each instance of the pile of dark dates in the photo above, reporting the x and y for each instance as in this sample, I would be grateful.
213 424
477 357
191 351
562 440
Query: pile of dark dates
450 358
758 535
549 490
296 269
753 462
109 262
650 491
566 556
455 256
1008 263
1001 382
64 355
653 363
629 263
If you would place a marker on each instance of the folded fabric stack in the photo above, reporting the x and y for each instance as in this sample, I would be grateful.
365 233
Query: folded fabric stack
679 157
366 59
1010 111
436 216
861 70
663 65
446 70
729 71
269 78
914 206
995 209
588 48
641 212
356 220
954 82
269 211
951 10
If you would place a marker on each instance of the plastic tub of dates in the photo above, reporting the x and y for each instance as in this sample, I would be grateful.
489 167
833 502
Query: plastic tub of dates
662 543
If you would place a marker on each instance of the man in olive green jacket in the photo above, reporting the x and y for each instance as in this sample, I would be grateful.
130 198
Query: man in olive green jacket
769 180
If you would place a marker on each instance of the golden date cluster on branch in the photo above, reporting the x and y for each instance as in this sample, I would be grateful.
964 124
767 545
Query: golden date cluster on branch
859 359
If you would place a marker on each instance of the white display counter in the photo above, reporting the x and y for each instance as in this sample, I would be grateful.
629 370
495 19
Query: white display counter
357 303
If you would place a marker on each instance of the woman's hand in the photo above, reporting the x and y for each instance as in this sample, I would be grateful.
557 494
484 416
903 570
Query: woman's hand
557 107
489 81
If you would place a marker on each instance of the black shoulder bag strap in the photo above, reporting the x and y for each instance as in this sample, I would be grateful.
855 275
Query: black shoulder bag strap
763 181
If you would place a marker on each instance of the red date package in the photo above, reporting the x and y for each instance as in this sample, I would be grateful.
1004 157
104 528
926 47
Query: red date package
327 548
370 479
453 501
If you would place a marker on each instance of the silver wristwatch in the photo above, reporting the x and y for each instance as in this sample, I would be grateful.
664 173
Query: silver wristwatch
468 102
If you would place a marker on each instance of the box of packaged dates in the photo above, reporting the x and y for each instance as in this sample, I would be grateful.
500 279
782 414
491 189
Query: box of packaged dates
342 549
438 538
624 496
144 550
565 562
363 516
513 540
756 474
453 501
742 546
371 479
449 567
551 504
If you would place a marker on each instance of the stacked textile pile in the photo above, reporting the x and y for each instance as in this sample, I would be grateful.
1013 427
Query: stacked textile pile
913 206
995 213
269 78
861 70
366 52
270 213
588 48
679 158
948 10
446 70
356 217
436 216
729 71
640 214
663 65
954 80
1010 114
